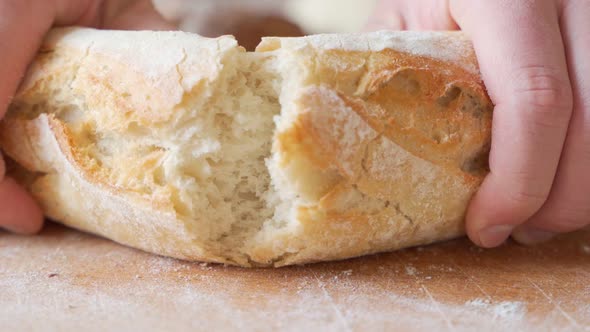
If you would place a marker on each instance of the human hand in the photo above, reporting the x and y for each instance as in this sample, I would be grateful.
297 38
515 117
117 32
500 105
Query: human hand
533 60
23 24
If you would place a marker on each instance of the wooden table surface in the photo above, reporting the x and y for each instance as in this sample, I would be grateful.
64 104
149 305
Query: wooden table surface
66 280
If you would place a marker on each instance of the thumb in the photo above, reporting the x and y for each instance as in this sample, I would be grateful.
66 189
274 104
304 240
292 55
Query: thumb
407 15
134 15
521 55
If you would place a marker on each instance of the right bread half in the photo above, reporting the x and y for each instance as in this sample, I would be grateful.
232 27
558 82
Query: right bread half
309 149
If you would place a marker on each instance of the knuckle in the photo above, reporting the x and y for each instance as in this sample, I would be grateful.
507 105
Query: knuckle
523 199
544 92
516 195
569 219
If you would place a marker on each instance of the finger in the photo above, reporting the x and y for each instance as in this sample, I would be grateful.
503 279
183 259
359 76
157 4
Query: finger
429 15
18 211
134 15
22 27
520 51
568 205
406 15
387 15
18 43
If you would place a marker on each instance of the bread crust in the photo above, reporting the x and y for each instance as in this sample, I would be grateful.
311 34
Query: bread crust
386 143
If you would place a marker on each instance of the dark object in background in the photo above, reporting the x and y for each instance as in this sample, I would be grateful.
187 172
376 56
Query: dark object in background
247 20
249 28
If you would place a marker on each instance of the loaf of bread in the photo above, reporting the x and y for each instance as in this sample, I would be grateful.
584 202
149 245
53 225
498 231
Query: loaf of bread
309 149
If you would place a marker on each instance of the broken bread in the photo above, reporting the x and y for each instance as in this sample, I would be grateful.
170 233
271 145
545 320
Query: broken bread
309 149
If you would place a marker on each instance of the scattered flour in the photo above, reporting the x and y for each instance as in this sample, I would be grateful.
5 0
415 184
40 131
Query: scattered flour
159 304
504 309
346 272
63 287
411 271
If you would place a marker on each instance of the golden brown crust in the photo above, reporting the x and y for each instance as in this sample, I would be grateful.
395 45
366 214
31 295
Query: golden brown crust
434 109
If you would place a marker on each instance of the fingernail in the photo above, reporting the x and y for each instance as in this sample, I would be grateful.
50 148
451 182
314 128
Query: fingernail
494 235
531 235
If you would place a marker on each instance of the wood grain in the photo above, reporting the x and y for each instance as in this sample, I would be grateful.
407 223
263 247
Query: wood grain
66 280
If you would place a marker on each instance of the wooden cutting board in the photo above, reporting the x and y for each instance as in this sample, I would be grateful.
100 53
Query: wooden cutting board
66 280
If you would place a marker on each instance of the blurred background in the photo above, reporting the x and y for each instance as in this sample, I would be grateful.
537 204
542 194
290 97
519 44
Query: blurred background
249 20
